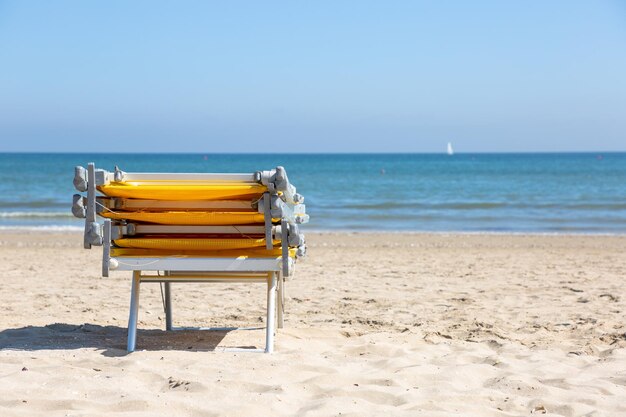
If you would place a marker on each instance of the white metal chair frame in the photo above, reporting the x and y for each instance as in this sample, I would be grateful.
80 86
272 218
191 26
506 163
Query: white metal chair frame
275 300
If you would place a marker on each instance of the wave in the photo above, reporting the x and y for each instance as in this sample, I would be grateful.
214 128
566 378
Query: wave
34 204
409 205
43 228
485 206
35 214
590 206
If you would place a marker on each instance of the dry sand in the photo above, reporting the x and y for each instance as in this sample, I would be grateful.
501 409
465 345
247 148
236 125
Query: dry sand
377 324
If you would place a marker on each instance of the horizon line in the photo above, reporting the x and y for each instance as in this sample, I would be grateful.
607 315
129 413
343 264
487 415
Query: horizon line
316 153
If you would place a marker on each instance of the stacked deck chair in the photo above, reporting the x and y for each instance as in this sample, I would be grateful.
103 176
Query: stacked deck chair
174 227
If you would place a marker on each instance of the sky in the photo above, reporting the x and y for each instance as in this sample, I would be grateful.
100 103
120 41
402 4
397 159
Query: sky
323 76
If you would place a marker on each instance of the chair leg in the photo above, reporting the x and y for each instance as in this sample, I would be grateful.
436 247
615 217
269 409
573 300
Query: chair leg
168 306
134 311
271 311
281 301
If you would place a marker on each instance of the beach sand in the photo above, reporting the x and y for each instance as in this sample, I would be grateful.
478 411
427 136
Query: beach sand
376 325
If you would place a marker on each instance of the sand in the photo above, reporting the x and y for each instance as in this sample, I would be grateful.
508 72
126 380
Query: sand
377 324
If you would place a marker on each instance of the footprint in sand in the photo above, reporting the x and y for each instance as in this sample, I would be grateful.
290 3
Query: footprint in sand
178 384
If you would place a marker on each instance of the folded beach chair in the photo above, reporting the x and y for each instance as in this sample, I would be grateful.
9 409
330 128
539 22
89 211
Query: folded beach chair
187 228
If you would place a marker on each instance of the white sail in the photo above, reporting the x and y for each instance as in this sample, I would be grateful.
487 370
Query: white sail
450 150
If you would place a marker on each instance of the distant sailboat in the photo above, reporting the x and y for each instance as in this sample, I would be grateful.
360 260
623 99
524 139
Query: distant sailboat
450 150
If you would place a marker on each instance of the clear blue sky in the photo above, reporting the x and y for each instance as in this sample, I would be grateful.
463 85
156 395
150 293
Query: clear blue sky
335 76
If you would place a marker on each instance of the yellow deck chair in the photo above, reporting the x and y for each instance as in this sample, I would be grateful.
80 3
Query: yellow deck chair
179 228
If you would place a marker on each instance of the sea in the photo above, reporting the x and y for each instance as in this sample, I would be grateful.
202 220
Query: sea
473 192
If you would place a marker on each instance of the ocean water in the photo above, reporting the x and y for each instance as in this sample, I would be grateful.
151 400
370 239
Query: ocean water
546 193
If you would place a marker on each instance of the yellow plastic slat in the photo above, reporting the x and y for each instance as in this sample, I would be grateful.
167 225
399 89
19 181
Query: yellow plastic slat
182 191
204 218
189 244
252 253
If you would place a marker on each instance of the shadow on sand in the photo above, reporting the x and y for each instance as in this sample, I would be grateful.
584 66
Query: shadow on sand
110 339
